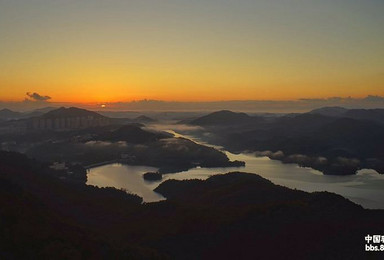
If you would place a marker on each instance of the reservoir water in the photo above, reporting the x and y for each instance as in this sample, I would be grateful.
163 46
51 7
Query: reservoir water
365 188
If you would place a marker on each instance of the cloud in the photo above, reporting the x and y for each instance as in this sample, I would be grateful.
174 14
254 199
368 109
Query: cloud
277 106
37 97
371 98
35 100
273 155
105 144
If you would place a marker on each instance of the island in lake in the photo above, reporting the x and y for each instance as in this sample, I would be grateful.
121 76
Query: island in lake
235 215
225 216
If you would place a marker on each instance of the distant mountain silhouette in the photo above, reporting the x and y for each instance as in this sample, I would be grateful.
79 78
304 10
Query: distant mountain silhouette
350 141
144 119
9 114
376 115
71 112
67 119
44 109
223 117
38 112
132 134
301 123
329 111
366 114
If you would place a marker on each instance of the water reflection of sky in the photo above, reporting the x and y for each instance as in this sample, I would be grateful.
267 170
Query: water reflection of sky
126 177
365 188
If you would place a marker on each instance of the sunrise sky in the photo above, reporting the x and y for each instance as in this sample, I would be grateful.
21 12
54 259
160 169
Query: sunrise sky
184 50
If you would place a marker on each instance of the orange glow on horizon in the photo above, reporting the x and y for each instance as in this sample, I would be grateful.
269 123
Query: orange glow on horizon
105 103
81 53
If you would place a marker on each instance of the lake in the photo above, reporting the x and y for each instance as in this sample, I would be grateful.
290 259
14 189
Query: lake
365 188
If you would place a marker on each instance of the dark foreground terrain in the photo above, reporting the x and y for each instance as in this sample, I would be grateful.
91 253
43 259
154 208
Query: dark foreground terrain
231 216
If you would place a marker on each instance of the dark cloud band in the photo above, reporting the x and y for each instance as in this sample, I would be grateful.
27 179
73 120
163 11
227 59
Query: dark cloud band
37 97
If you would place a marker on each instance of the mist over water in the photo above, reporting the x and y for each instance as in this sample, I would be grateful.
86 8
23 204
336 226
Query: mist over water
365 188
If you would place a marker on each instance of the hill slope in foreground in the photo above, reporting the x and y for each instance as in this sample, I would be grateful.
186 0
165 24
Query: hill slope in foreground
231 216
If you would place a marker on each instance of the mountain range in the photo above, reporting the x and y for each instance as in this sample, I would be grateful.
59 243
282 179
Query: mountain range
376 115
344 140
7 114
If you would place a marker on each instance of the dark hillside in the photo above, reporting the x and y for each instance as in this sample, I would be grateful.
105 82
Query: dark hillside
70 112
223 117
232 216
346 140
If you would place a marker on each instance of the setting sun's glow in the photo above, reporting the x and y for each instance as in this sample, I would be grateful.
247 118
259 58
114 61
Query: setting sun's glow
90 51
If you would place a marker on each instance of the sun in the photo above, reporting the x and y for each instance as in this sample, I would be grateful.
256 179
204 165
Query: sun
103 106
